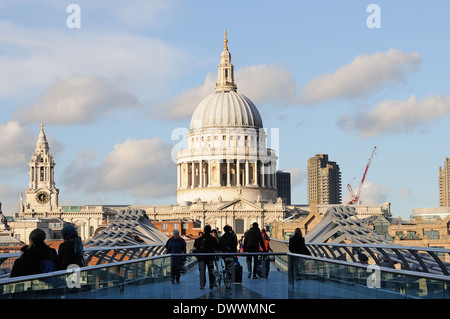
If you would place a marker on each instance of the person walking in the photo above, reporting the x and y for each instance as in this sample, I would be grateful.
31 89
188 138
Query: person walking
70 252
297 246
206 244
176 245
37 258
228 244
253 241
265 264
297 243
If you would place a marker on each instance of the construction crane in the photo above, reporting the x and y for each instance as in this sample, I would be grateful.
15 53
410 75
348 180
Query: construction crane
355 199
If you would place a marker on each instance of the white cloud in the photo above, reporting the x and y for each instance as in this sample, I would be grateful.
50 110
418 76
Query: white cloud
33 58
372 194
271 84
79 99
183 105
143 13
9 197
395 116
364 75
407 194
298 176
141 168
16 146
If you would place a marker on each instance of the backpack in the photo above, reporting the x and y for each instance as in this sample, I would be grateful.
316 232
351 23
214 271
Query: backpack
48 265
201 245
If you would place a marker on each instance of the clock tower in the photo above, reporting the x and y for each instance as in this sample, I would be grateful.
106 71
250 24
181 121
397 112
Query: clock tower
41 197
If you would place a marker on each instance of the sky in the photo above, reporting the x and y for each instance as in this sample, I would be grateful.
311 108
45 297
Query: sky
115 84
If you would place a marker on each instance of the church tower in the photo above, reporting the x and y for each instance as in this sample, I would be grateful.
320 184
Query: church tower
41 197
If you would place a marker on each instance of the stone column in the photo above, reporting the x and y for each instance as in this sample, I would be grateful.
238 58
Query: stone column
263 182
275 180
219 173
228 173
178 176
255 173
238 173
200 174
209 173
246 172
186 174
193 174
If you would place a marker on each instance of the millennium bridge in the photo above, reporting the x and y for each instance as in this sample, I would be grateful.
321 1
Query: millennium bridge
128 260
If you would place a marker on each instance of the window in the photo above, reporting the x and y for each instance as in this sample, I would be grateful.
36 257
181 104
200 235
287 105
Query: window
163 226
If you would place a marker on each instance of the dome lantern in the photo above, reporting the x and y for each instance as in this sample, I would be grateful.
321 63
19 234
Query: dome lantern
225 81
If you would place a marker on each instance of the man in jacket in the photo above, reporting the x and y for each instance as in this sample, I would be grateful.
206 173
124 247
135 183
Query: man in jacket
228 244
206 244
176 245
253 241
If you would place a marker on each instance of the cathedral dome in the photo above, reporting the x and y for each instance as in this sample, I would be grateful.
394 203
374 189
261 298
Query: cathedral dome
226 155
226 109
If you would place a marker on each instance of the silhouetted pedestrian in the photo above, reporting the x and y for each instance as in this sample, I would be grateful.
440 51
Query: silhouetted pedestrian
71 251
176 245
228 244
206 244
37 258
297 245
253 241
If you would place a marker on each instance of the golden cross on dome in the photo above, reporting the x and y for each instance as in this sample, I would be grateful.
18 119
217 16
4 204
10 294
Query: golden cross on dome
225 41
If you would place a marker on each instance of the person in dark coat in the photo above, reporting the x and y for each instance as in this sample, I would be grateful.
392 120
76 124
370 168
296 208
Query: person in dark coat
70 252
297 246
228 244
176 245
297 243
206 244
253 242
37 258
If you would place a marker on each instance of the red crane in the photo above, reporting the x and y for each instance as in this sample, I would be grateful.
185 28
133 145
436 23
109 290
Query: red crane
355 199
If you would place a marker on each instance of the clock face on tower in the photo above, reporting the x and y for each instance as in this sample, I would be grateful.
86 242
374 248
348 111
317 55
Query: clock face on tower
42 197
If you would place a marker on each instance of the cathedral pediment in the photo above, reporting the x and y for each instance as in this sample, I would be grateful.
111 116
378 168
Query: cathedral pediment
240 204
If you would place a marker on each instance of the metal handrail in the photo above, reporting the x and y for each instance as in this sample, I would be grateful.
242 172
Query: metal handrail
423 259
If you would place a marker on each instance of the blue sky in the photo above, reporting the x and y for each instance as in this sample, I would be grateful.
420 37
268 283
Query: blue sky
112 92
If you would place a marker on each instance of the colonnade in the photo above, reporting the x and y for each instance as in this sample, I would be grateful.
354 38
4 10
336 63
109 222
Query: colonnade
216 173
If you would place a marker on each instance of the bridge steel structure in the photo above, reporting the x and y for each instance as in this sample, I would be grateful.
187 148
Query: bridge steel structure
339 238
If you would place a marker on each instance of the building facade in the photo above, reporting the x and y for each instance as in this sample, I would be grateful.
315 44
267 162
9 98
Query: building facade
324 180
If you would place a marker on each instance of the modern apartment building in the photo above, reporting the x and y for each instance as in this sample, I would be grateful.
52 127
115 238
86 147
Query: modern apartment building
324 180
444 184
